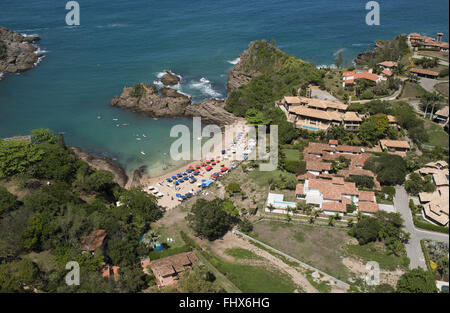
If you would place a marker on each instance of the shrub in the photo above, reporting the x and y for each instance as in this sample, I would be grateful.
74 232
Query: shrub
361 181
366 95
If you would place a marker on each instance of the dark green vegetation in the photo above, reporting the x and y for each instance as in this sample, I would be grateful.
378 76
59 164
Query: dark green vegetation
385 228
416 184
138 91
212 219
416 281
199 280
391 169
437 252
385 50
63 200
279 75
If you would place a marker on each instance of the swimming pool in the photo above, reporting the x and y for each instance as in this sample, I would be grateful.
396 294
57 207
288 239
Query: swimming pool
310 127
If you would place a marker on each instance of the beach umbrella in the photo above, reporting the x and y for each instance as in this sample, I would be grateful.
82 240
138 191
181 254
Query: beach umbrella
208 168
208 161
223 169
168 180
179 175
223 151
174 177
198 166
178 195
203 164
188 170
176 183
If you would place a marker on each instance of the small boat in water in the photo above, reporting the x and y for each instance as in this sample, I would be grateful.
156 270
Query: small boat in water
142 152
138 138
115 119
144 135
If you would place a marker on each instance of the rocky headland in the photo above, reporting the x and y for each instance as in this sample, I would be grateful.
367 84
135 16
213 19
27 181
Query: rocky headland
17 52
107 164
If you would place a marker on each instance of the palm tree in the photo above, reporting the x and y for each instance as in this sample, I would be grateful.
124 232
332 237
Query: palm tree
437 98
270 207
359 215
331 220
311 219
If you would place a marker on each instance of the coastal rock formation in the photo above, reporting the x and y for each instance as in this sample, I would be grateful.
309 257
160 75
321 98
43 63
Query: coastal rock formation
170 79
17 53
107 164
243 71
167 102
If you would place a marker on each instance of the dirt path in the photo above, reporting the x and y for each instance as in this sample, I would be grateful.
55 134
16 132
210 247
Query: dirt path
218 247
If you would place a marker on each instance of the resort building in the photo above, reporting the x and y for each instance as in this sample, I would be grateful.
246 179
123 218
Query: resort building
429 42
349 78
167 270
436 204
395 146
392 121
333 196
93 241
388 65
424 72
352 121
312 114
318 158
441 116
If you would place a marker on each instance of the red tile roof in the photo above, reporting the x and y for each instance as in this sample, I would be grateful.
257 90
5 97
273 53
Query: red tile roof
93 241
368 207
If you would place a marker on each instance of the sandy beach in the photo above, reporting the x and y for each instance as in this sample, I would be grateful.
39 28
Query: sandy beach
234 154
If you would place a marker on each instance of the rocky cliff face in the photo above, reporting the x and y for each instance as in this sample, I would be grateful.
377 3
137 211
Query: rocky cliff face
260 57
17 54
240 74
107 164
168 102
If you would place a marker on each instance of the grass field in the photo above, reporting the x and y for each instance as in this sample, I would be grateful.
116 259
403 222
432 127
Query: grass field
436 134
321 247
241 254
292 154
440 55
412 90
254 278
377 253
442 88
262 177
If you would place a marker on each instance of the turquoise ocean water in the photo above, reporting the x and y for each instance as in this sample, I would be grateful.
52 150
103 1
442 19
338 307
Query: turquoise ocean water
123 42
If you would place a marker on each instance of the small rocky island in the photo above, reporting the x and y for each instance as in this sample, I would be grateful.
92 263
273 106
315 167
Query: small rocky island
17 53
167 102
170 79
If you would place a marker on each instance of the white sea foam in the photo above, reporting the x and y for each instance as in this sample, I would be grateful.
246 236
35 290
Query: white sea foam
111 26
326 66
161 74
1 75
235 61
29 35
204 85
339 51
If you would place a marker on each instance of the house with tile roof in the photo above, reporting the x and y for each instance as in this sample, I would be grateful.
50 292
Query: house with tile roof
349 78
167 270
436 204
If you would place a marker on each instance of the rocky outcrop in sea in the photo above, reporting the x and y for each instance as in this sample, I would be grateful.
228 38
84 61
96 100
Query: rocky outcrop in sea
168 102
17 53
170 79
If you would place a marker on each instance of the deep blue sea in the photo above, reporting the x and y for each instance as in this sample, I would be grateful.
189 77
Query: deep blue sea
123 42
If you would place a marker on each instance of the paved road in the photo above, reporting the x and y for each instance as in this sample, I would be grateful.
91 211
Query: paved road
413 249
338 282
429 83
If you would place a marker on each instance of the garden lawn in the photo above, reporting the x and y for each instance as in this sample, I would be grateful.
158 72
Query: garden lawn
292 154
